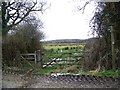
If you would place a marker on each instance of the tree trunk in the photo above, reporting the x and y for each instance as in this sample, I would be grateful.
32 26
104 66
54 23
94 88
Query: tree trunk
4 19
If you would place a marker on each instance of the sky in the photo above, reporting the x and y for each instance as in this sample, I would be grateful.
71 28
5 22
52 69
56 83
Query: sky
62 20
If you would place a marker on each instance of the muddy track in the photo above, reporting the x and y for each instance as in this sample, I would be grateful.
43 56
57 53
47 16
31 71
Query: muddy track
11 80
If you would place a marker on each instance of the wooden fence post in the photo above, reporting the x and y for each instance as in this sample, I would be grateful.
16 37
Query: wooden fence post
113 48
39 59
35 56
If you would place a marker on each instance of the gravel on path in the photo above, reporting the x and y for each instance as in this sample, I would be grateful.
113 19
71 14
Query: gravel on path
10 80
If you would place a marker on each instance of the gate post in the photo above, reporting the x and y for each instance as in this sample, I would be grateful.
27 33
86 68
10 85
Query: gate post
39 59
35 56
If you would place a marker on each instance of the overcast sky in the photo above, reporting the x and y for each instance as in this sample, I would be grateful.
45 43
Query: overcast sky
63 20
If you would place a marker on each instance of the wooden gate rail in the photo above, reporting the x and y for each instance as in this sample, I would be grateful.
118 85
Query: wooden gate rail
30 58
37 56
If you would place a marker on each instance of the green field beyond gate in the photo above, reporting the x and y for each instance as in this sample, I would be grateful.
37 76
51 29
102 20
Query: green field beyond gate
68 59
63 52
61 58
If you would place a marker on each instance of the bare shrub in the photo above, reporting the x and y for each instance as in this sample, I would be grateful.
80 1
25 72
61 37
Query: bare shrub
25 40
96 55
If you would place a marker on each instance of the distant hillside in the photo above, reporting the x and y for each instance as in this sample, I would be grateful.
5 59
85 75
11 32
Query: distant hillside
67 41
63 41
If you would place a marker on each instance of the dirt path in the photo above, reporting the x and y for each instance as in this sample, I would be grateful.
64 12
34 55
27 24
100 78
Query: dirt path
57 81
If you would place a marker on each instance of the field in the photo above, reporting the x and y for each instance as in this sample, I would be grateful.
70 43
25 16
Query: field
60 46
62 51
67 50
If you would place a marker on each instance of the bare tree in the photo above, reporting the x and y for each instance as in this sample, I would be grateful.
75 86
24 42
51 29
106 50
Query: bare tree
14 12
105 16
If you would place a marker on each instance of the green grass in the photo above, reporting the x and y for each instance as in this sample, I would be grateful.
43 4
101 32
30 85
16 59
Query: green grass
44 71
74 69
110 73
107 73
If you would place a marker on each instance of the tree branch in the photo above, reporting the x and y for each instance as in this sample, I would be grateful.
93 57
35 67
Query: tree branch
19 15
